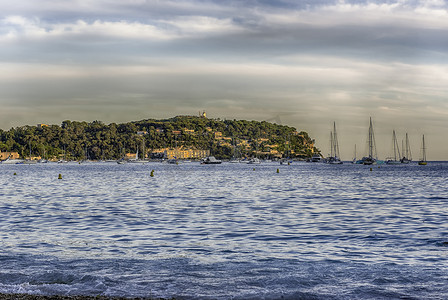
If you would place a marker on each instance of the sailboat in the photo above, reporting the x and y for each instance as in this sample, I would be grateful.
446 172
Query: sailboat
286 160
355 161
334 148
395 160
11 161
137 160
43 160
422 161
29 161
122 160
255 160
235 156
371 158
63 161
407 156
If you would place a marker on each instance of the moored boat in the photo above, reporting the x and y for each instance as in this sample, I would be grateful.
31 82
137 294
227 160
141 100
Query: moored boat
333 159
394 160
210 160
422 161
254 160
407 156
315 158
12 161
371 159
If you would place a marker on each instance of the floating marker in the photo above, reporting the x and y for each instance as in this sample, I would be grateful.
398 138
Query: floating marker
60 176
278 171
288 163
152 173
370 169
15 173
254 169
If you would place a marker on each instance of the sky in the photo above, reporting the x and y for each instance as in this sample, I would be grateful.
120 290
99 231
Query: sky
304 63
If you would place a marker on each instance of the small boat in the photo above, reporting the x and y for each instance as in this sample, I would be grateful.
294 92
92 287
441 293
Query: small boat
137 160
355 161
422 161
407 156
371 159
173 161
236 157
122 161
333 159
254 160
367 160
285 161
210 160
28 162
395 159
316 158
12 161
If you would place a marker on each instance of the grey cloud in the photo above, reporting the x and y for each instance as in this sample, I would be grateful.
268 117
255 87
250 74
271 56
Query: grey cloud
318 70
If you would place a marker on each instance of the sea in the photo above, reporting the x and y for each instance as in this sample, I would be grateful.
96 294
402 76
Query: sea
229 231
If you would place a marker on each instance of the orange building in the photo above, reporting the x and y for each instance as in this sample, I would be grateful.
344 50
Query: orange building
5 155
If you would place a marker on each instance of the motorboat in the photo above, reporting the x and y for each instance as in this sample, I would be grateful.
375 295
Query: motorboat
254 160
210 160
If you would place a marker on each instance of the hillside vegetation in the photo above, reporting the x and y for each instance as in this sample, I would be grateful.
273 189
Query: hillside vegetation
96 140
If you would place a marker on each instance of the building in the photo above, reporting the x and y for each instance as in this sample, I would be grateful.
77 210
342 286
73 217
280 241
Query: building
12 155
189 131
42 125
181 153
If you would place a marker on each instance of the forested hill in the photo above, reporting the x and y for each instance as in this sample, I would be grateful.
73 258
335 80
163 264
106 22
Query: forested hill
96 140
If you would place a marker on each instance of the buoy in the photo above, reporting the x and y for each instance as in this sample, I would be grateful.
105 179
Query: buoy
254 169
60 176
15 173
288 163
152 173
278 171
370 169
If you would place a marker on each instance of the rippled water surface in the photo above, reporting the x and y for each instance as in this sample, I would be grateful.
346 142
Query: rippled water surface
239 231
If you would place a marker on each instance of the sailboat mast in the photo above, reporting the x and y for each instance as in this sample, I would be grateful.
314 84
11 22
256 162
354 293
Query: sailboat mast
403 149
331 144
335 141
424 149
370 139
396 148
408 148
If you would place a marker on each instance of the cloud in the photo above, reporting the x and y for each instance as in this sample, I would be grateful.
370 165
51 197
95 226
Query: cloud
34 29
317 60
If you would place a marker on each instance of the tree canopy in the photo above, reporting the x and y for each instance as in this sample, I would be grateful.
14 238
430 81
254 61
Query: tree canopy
96 140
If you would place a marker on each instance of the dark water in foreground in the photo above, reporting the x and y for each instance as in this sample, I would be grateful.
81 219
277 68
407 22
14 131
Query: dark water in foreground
226 231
